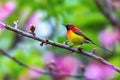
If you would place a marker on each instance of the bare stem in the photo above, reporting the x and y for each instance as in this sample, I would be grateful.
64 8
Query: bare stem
89 54
109 14
37 71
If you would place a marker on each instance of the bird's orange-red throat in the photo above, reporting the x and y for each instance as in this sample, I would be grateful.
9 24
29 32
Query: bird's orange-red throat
77 37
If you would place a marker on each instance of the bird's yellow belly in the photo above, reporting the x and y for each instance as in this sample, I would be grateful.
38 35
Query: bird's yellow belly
75 39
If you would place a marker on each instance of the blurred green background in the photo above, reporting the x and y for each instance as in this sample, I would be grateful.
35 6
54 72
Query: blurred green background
48 17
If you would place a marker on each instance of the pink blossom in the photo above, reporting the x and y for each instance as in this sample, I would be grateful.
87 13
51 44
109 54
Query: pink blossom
108 37
34 19
48 57
65 64
117 33
43 28
96 70
6 9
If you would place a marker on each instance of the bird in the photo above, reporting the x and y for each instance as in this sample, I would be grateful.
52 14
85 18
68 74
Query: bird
78 37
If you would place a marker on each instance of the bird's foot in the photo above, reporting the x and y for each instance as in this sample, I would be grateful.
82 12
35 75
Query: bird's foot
93 51
80 48
66 42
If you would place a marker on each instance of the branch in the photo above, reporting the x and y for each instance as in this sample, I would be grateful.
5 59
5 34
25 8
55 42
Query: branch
108 13
89 54
16 60
37 71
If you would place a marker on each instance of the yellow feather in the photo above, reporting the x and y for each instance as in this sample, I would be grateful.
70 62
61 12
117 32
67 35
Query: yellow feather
75 38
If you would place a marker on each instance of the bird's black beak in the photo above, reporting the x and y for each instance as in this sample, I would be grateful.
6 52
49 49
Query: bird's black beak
66 26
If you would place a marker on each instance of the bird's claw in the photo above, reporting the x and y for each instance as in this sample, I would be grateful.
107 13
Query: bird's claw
79 48
66 42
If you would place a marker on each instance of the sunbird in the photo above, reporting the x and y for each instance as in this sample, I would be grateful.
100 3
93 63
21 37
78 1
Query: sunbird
77 37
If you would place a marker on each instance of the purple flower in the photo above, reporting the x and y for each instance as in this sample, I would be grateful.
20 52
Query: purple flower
66 64
96 70
6 9
43 28
48 57
117 33
63 63
107 37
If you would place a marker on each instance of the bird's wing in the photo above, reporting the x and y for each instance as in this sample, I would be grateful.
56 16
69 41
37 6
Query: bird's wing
89 40
82 34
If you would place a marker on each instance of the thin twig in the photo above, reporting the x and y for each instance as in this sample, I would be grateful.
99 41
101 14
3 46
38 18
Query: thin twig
15 59
109 4
37 71
109 14
89 54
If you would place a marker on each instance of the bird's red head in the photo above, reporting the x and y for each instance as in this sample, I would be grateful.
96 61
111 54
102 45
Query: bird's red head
70 27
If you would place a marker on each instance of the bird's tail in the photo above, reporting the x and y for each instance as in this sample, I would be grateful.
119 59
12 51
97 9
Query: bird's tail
103 48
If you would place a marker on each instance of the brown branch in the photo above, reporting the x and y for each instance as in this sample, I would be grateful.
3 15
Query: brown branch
37 71
89 54
108 13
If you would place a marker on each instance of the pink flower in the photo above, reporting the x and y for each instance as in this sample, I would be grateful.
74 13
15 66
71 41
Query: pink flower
66 64
43 28
108 37
117 33
34 19
96 70
6 9
48 57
